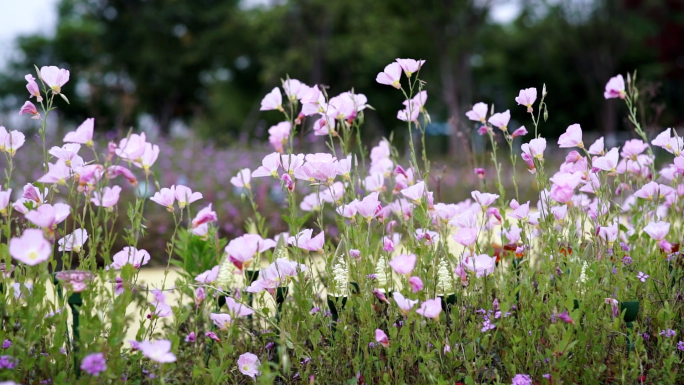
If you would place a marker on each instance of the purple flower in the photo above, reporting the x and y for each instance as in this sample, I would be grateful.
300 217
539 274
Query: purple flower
680 345
190 337
627 260
642 277
94 364
314 310
487 325
522 379
646 336
624 247
565 317
270 345
668 333
7 362
6 344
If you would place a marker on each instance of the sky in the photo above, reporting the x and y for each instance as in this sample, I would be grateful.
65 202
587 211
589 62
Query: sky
21 17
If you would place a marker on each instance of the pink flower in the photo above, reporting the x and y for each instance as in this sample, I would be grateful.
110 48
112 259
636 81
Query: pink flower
404 263
649 191
565 317
114 171
31 248
369 207
633 148
417 101
501 120
673 145
67 153
387 244
416 284
33 88
480 172
559 212
513 234
222 321
527 97
29 109
272 101
572 137
48 216
303 240
294 89
484 199
131 256
148 157
242 250
159 351
5 197
73 241
404 304
108 198
205 215
381 338
519 132
248 364
242 179
466 236
165 197
374 182
535 148
213 336
390 76
597 148
410 66
54 77
132 147
269 166
478 113
11 141
615 88
279 134
83 134
185 196
481 265
431 308
428 237
609 233
238 309
208 276
415 192
608 162
657 230
561 193
409 114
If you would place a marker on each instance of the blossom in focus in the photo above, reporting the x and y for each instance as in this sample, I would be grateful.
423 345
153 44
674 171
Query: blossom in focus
304 240
527 97
165 197
242 179
132 148
431 308
248 364
242 250
615 88
114 171
158 351
108 198
237 309
482 265
484 199
404 304
572 137
272 101
31 248
390 76
269 166
535 148
185 196
222 321
598 148
54 77
94 364
519 132
501 120
410 66
29 109
73 241
83 134
381 338
657 230
478 113
208 276
642 277
404 263
130 255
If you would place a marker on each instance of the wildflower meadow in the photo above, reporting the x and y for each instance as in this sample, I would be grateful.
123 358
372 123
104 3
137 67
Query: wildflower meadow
374 281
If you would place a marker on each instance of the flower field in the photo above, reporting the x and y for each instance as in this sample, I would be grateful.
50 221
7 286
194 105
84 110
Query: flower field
355 263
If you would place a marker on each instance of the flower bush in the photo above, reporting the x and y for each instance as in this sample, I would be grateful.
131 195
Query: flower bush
584 289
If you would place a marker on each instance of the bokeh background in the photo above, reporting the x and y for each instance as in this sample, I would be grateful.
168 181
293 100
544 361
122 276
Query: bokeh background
191 73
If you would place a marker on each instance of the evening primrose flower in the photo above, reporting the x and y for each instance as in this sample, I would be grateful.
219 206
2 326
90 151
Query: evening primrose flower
54 77
130 255
242 179
165 197
269 166
108 198
615 88
31 248
404 263
205 215
478 113
405 304
185 196
83 134
501 120
572 137
410 66
248 364
73 241
390 76
159 351
431 308
222 321
527 98
272 101
49 216
29 109
33 88
381 338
